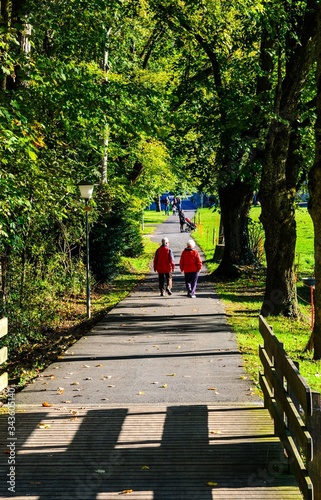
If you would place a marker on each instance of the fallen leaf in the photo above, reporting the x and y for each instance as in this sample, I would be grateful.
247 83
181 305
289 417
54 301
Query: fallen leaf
210 483
86 366
74 383
215 432
171 374
100 471
44 426
46 404
211 389
98 365
164 386
141 393
60 390
126 492
145 467
88 378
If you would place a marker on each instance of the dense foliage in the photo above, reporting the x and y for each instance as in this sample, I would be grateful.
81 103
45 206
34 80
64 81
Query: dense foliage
77 97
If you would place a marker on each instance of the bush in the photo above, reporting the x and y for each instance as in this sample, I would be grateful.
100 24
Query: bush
113 236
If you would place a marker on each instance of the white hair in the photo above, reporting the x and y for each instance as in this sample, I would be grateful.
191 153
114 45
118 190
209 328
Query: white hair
191 244
165 241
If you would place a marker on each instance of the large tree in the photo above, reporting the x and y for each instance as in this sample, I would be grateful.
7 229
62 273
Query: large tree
215 108
280 169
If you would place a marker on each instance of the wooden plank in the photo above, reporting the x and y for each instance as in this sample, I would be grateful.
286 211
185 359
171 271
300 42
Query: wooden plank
295 423
3 355
99 452
3 381
314 426
3 327
285 366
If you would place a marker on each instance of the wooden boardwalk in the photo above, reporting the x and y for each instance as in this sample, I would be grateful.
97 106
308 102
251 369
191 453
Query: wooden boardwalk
150 452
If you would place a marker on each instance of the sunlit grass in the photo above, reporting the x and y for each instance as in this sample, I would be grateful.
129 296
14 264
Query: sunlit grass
150 221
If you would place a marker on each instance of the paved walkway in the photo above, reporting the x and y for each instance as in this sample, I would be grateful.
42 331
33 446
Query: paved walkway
152 403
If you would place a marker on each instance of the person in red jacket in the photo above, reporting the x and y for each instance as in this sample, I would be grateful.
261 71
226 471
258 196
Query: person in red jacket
190 264
164 265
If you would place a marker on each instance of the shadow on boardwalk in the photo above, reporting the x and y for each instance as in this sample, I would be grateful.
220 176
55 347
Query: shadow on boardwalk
190 452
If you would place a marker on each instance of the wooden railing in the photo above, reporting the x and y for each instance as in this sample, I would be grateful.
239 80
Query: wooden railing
295 410
3 354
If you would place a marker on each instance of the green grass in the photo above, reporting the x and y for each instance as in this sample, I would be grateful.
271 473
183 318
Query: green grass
243 297
206 235
150 221
305 242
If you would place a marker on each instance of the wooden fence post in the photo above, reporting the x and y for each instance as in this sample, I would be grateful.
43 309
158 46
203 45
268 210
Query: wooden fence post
313 424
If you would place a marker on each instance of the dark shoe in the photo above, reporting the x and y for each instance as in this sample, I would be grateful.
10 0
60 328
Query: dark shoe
162 294
169 291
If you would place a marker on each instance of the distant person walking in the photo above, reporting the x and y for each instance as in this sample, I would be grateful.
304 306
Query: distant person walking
164 265
190 264
181 220
167 204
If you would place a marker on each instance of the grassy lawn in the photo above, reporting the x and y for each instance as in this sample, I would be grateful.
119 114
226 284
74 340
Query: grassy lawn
151 219
242 299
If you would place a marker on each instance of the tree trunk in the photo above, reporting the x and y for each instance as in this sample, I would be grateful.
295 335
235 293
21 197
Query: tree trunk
158 204
279 176
105 131
314 209
278 219
235 202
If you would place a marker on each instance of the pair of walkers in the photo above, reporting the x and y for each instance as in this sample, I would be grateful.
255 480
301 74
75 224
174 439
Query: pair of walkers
190 264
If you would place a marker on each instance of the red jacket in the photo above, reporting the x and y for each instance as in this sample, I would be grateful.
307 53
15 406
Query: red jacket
190 261
164 260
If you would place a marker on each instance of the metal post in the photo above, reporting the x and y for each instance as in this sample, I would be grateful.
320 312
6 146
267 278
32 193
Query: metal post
87 262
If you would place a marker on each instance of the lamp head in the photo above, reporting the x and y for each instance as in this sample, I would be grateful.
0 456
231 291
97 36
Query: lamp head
86 189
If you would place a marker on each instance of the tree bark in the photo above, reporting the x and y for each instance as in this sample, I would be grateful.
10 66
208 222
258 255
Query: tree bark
314 207
158 204
235 202
278 219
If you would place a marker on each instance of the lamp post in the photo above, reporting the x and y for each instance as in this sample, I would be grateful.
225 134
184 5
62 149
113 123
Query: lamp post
86 192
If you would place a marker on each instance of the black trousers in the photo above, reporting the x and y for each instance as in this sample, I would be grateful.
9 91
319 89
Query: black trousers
165 280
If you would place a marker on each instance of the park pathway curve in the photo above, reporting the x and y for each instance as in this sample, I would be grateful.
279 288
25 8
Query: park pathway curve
152 403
